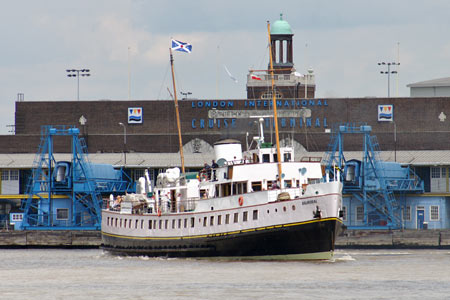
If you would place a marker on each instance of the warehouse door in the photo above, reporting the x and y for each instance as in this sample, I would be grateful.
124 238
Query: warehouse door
420 216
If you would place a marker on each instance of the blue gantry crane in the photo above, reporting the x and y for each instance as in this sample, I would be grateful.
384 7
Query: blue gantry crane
67 195
373 182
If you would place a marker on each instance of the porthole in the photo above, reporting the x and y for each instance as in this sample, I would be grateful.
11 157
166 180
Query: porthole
284 208
293 207
276 209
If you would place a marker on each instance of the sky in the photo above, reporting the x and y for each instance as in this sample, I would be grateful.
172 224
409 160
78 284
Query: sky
124 44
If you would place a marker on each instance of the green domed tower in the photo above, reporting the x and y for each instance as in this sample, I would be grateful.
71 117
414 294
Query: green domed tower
289 83
282 49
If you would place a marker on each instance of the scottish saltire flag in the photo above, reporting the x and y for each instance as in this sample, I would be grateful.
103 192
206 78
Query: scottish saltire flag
181 46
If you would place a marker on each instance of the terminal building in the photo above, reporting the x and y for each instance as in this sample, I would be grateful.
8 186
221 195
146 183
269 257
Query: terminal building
139 135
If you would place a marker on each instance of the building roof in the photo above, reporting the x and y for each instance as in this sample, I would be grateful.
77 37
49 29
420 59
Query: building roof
197 160
432 83
280 27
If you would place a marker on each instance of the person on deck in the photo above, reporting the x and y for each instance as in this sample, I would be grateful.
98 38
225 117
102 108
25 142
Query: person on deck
214 166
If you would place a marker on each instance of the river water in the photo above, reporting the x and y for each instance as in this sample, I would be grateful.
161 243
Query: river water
352 274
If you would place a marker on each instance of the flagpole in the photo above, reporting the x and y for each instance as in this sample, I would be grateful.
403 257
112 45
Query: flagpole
177 113
274 105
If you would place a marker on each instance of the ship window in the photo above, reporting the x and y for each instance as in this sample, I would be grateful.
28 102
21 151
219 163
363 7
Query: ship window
288 183
255 214
192 222
227 219
116 222
150 224
287 157
135 224
236 217
204 221
166 224
434 213
173 223
211 221
266 157
107 221
219 220
62 214
293 207
154 224
129 224
407 213
245 216
179 223
359 213
226 189
185 223
256 186
284 208
275 157
160 224
276 209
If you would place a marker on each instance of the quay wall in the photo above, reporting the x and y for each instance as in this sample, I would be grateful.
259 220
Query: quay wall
436 238
348 239
57 239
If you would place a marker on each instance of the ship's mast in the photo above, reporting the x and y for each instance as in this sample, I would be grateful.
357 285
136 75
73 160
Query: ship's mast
274 105
177 113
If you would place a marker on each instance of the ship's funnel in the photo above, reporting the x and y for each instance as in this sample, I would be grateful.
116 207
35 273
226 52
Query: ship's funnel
228 150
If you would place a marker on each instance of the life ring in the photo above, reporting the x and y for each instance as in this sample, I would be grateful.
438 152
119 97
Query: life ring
241 201
159 212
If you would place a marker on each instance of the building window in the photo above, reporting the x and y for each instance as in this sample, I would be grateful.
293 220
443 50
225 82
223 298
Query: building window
407 213
138 173
255 214
359 213
435 172
443 169
344 213
62 214
434 213
5 175
14 174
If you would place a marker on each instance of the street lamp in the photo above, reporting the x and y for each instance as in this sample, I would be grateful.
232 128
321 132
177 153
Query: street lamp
388 72
185 95
124 142
76 73
395 140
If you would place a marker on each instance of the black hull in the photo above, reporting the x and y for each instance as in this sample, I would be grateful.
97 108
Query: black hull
288 239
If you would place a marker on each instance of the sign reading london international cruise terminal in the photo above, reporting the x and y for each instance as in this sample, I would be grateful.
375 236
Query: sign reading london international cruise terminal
291 113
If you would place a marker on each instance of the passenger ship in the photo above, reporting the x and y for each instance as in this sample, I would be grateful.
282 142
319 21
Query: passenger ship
235 210
261 204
